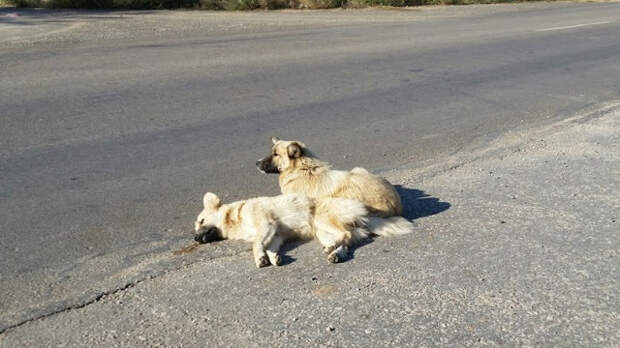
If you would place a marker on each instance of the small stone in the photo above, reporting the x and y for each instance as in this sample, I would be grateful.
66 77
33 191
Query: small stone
331 328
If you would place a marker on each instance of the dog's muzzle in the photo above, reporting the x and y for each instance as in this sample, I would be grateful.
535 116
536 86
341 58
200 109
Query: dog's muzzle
266 166
207 234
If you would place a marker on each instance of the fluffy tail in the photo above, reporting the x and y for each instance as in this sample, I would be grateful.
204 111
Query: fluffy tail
346 211
391 226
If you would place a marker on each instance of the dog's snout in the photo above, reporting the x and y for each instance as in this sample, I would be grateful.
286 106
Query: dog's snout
207 235
203 237
265 165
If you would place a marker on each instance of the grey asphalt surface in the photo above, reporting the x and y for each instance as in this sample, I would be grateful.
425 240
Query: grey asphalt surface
521 250
115 123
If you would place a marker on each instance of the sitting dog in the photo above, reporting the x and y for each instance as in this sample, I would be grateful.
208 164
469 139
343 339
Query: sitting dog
267 222
301 172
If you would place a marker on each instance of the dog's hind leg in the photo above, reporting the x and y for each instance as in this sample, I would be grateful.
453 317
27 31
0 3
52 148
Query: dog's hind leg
273 250
338 255
334 241
325 237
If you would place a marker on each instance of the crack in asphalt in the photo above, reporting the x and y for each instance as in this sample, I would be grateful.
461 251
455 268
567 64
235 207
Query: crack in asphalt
110 292
74 306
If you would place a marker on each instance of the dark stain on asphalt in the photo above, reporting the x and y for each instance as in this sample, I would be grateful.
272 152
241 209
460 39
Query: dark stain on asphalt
186 250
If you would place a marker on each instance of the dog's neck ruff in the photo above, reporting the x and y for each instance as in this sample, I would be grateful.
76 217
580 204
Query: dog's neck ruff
307 170
229 217
306 166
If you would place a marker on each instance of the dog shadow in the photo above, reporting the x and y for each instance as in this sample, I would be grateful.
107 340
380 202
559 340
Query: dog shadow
416 204
288 246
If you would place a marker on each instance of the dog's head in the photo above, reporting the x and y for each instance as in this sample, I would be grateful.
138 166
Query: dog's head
206 226
284 154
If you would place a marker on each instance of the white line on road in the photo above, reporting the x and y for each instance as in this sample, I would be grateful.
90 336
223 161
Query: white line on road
571 26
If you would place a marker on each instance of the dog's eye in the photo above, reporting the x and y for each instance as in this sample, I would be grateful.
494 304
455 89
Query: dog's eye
202 221
275 155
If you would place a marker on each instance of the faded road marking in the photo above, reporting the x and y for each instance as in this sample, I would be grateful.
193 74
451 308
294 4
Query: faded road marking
572 26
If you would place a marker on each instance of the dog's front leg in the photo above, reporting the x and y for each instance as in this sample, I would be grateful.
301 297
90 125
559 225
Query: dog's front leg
265 234
273 250
260 258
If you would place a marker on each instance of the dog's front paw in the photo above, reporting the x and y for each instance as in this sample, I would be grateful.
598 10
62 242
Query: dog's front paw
274 257
275 260
262 261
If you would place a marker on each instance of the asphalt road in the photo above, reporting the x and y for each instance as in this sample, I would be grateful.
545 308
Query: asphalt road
107 144
518 248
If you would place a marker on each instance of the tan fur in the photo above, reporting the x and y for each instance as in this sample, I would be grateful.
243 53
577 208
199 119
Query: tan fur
303 173
268 221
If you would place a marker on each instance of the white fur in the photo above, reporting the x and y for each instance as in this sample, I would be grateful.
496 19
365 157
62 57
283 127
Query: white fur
267 222
391 226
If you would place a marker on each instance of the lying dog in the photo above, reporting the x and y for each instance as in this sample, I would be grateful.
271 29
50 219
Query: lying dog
301 172
268 221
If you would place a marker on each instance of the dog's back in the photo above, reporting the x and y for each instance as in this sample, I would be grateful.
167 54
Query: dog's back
301 172
292 212
376 193
379 196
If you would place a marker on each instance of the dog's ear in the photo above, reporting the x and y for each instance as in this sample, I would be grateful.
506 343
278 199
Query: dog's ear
210 200
274 140
294 150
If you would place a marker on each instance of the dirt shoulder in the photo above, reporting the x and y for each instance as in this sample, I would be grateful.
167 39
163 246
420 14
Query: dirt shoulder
43 27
